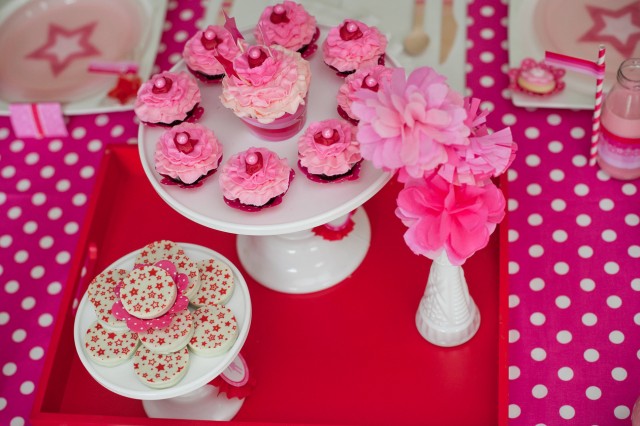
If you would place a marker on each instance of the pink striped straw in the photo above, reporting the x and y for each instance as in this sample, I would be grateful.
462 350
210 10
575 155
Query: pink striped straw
597 110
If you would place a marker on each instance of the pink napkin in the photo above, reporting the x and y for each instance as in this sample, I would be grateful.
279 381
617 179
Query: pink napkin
37 120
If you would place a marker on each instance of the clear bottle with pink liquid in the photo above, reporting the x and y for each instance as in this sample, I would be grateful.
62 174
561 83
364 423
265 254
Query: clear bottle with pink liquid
619 143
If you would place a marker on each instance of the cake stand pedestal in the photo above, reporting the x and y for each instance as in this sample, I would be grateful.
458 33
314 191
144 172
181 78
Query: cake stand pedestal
303 262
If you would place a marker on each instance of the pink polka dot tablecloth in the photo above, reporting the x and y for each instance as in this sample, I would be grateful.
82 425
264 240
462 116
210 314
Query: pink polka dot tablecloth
574 244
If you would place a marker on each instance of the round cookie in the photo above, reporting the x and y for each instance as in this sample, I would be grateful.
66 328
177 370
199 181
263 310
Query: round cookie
216 283
216 331
109 347
158 370
102 295
172 338
148 292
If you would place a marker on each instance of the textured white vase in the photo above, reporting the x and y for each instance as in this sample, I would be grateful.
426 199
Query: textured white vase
447 315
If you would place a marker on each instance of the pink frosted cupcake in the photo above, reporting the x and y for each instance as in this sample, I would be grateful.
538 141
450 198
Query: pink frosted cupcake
288 25
254 179
329 152
168 99
187 153
365 78
268 91
200 52
353 45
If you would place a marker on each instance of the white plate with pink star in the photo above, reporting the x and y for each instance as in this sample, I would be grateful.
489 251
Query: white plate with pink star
122 379
575 28
47 47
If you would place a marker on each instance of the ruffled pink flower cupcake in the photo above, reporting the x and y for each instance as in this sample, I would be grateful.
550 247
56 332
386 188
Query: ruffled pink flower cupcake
353 45
254 179
329 152
268 91
288 25
187 153
168 99
365 78
200 53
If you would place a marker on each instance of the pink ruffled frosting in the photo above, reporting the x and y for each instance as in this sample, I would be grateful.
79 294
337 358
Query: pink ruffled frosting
354 82
254 187
349 55
293 32
335 159
268 91
166 107
199 58
187 162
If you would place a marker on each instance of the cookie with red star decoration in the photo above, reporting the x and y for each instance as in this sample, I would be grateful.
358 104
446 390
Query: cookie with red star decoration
216 331
172 338
158 370
102 295
216 283
109 347
148 292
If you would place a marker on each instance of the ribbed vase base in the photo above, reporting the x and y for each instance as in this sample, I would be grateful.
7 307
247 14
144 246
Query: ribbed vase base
449 335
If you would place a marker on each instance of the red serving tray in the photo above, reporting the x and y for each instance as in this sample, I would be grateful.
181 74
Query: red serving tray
347 355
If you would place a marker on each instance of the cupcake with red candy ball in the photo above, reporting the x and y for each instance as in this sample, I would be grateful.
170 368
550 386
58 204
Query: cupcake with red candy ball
168 99
365 78
254 179
288 24
268 91
328 151
187 153
200 53
353 45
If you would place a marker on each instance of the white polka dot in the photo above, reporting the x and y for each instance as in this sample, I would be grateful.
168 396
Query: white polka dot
79 133
614 302
632 219
79 200
3 403
513 235
30 227
71 158
536 250
514 300
487 11
86 172
19 335
532 132
36 353
536 284
609 235
508 119
561 268
619 374
636 318
611 268
26 388
567 412
534 219
14 212
589 319
512 204
487 33
28 303
4 318
616 337
577 133
175 57
38 199
585 252
591 355
537 318
6 241
186 14
8 172
556 175
512 175
513 267
32 158
534 189
563 302
37 272
634 251
12 286
180 36
9 369
581 189
54 288
539 391
532 160
579 161
487 81
558 205
559 236
71 228
514 411
117 131
635 284
94 145
554 119
593 393
21 256
4 133
555 147
63 185
514 336
45 320
565 374
583 220
63 257
514 372
3 198
102 120
47 171
629 189
23 185
55 145
606 205
46 242
487 57
621 412
538 354
564 337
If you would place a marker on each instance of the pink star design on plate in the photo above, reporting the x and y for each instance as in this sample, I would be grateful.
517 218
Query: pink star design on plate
620 28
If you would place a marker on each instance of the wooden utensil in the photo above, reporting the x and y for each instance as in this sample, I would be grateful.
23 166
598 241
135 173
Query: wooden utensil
417 40
448 30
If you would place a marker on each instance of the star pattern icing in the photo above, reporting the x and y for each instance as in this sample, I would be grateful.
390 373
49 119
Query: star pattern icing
619 28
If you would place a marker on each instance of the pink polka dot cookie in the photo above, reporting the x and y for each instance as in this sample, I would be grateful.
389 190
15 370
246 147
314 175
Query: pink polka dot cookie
148 292
216 283
172 338
216 331
102 295
109 347
158 370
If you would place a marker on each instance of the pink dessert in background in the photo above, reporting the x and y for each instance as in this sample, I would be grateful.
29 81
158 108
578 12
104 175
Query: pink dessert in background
187 153
167 98
329 149
287 24
254 179
268 90
353 45
365 78
200 52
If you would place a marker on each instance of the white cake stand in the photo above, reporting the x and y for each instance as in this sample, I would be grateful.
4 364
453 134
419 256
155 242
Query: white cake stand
276 245
192 397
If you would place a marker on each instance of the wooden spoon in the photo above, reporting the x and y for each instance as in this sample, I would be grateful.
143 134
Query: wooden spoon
417 40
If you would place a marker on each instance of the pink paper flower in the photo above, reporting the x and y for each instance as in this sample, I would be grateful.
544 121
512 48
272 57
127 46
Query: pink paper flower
409 123
443 216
